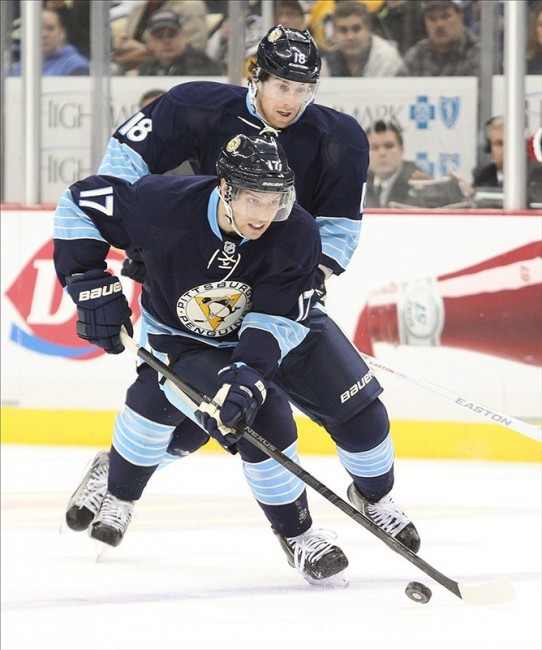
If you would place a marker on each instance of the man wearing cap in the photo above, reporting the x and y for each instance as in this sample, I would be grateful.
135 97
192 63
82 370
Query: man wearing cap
171 52
449 50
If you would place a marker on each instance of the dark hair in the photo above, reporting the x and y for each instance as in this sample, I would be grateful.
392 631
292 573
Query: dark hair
351 8
381 126
63 15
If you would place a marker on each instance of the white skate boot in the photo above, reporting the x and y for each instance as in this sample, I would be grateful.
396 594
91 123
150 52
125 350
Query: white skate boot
314 556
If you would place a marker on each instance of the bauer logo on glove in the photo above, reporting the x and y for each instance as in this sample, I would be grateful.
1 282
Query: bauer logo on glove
102 309
98 292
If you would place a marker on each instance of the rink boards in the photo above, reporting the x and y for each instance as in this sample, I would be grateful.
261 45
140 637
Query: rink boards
55 391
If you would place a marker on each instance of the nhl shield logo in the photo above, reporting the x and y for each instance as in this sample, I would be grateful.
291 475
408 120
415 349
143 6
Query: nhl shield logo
449 110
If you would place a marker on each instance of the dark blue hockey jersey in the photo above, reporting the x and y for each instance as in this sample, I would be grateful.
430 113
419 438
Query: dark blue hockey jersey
202 287
327 150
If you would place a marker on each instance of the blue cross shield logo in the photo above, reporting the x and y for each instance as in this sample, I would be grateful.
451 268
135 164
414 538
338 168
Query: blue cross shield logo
422 112
449 110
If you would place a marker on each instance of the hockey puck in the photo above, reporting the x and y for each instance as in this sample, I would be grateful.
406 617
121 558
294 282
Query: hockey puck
418 592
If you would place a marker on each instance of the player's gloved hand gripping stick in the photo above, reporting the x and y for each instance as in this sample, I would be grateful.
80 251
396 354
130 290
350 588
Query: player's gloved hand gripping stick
498 590
236 403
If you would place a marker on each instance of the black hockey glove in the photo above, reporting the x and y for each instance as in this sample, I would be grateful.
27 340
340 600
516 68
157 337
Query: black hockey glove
236 403
133 266
320 285
102 309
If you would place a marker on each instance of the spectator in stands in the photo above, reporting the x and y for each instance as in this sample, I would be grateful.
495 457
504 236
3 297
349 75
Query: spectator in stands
388 176
171 52
534 41
358 52
217 46
60 58
391 180
290 13
401 22
492 173
320 20
450 49
76 17
217 43
130 50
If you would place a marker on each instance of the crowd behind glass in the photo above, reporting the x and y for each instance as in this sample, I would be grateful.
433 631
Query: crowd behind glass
357 38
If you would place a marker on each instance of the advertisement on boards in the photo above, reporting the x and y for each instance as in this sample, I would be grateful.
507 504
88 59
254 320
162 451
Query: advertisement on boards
439 126
451 298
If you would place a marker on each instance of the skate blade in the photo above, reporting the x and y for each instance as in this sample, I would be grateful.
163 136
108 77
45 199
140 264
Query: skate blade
338 581
100 550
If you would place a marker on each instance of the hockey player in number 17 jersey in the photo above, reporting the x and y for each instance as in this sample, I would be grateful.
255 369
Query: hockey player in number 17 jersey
323 375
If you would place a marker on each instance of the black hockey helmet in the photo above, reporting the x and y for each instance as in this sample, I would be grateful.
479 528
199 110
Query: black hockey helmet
289 54
257 163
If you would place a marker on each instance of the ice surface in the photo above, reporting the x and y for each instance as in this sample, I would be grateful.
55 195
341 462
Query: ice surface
200 569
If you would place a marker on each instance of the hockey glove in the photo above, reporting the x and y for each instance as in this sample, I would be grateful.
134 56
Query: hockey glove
235 404
102 309
133 266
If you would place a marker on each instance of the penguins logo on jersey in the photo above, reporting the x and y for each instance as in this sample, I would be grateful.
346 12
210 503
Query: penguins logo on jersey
214 309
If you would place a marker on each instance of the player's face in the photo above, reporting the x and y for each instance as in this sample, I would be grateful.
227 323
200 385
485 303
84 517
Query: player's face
254 212
279 101
385 152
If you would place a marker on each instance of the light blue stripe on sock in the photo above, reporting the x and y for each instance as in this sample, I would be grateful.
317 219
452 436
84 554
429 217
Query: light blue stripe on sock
271 483
139 440
374 462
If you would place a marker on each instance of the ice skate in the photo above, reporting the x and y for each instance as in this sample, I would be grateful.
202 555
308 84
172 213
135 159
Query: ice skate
85 502
112 520
389 516
314 556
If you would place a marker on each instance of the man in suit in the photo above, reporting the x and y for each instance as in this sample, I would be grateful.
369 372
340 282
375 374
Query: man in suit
389 174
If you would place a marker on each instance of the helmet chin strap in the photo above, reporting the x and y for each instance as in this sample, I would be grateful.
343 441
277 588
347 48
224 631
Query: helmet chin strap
229 211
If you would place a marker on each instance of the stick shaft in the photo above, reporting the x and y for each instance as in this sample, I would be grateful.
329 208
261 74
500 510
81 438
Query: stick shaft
499 590
494 416
195 395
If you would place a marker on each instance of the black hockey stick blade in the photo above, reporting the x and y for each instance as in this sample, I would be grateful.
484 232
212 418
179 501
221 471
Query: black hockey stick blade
496 591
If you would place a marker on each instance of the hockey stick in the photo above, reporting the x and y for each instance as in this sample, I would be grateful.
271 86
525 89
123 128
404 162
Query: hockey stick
498 590
529 430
